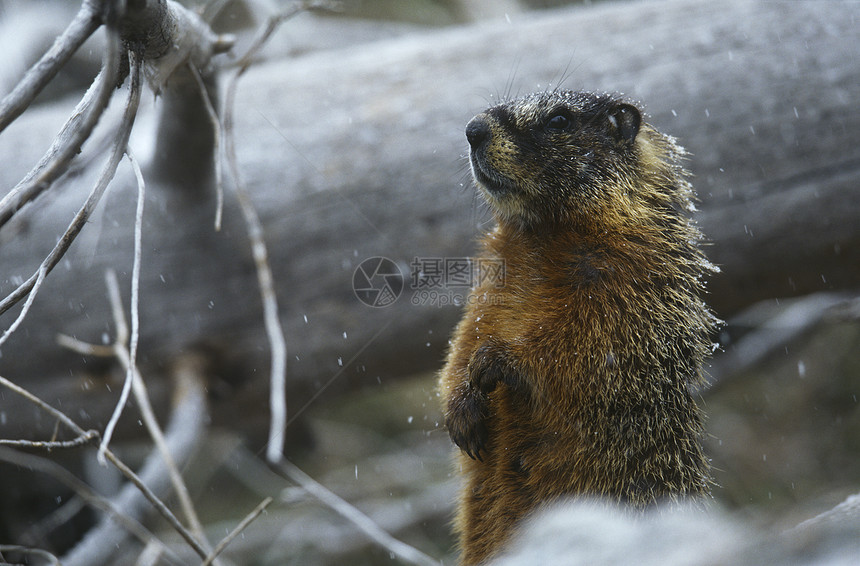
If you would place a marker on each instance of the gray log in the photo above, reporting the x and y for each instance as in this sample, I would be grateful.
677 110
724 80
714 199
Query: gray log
359 152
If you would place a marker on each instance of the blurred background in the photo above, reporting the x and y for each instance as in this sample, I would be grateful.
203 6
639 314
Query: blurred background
349 135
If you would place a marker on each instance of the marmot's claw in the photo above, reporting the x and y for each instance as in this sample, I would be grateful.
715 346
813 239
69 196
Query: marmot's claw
466 421
472 443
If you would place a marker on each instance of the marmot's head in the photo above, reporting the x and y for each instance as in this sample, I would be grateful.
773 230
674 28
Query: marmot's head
574 158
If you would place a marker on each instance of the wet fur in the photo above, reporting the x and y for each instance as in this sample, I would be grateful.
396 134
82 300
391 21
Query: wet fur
574 378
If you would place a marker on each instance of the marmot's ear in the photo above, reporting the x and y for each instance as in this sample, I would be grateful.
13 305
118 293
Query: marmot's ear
624 120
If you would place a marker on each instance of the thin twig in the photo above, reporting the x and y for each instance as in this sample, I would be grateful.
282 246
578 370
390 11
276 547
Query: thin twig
120 465
219 548
141 395
86 21
60 416
183 432
128 358
364 523
80 440
121 337
135 269
121 142
95 195
51 468
126 471
274 329
40 277
84 348
158 504
274 21
122 329
71 137
121 326
216 143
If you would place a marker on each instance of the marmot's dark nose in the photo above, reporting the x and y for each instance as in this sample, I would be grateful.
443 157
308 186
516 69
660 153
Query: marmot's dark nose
477 131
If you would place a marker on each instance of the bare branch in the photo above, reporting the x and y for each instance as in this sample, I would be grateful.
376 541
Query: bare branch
40 277
274 329
192 391
61 417
139 19
86 21
183 433
122 332
116 303
171 36
95 195
71 137
235 532
364 523
141 395
216 144
274 21
80 440
85 492
121 338
84 348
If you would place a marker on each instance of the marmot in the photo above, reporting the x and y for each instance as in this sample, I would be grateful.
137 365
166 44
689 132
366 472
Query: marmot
575 377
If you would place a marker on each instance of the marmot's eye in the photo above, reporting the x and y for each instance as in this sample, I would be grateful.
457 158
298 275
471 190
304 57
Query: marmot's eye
557 122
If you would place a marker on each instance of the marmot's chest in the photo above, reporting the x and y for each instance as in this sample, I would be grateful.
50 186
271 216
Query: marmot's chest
576 293
571 319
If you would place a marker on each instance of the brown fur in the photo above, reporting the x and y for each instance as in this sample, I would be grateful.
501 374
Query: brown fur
574 377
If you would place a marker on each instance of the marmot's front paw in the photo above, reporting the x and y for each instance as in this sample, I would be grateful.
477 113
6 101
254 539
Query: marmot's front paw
466 419
489 366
